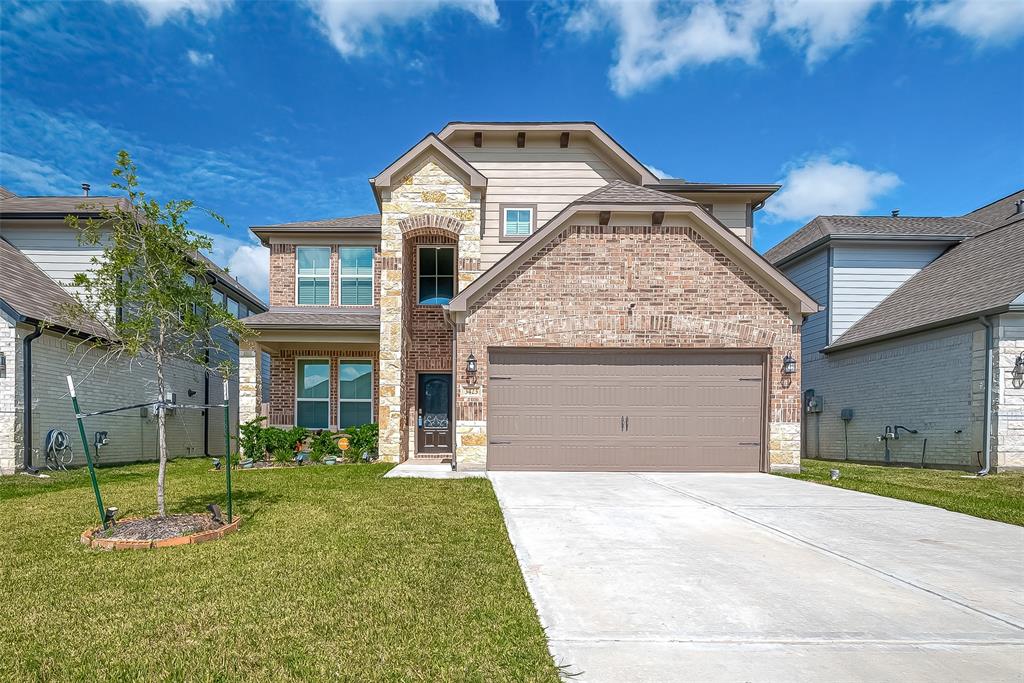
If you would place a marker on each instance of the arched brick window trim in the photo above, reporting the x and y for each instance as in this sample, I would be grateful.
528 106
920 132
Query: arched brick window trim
431 224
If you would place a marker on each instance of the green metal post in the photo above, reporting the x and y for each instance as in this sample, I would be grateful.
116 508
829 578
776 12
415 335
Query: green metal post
88 455
227 445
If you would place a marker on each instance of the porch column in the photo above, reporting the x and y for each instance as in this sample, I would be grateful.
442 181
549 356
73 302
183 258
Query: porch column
250 381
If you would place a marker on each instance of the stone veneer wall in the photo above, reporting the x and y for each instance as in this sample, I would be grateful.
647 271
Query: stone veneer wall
11 413
576 291
429 200
1008 394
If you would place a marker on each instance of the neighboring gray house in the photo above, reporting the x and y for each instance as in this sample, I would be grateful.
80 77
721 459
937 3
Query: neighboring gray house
39 255
913 307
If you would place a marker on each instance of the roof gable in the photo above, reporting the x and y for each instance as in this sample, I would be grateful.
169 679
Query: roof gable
591 130
655 202
825 228
28 294
429 144
977 277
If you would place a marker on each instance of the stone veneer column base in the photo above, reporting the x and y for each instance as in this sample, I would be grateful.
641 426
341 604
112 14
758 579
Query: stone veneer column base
471 444
784 446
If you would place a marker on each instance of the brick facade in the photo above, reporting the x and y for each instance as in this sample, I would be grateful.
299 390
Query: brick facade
630 287
282 274
282 377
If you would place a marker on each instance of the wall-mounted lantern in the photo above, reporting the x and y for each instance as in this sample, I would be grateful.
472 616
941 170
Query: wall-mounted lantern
789 364
471 365
3 364
1018 370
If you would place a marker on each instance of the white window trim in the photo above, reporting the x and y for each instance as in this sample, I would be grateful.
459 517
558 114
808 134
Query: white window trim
455 269
504 214
373 407
327 400
316 277
373 274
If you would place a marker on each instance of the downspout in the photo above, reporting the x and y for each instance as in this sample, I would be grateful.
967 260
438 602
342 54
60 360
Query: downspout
26 352
455 387
987 425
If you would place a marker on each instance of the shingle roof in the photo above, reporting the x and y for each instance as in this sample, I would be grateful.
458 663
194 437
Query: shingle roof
362 223
980 275
31 295
824 227
621 192
999 212
323 317
55 206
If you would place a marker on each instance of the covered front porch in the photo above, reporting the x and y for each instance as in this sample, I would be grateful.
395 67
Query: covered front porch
324 369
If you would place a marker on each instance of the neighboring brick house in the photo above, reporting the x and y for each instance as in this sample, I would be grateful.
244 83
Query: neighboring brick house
39 256
530 296
921 315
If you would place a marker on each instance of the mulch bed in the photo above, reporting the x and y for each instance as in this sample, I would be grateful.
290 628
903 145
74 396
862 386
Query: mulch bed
158 528
143 533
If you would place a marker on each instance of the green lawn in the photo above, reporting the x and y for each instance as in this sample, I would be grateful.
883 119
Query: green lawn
336 573
996 496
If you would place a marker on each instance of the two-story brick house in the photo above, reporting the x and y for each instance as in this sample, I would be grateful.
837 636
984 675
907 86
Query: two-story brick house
530 296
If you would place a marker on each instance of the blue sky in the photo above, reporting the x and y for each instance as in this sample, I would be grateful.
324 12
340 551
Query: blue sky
270 112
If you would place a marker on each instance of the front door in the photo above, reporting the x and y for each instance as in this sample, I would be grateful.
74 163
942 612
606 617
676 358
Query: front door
433 414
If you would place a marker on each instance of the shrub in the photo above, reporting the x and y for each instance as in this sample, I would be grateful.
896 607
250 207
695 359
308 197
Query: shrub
362 439
323 445
283 455
253 438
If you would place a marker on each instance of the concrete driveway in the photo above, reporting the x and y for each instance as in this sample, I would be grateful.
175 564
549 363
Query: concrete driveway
750 577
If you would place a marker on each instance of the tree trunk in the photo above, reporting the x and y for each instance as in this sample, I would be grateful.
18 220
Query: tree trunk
161 430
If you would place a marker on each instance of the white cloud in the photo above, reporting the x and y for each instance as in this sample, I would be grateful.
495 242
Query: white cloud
824 186
199 59
655 39
159 11
984 21
818 27
658 172
355 26
17 171
246 260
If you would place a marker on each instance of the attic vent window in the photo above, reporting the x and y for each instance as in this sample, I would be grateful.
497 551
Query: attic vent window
521 140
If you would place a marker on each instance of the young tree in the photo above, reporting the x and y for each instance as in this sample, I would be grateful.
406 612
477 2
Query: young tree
150 288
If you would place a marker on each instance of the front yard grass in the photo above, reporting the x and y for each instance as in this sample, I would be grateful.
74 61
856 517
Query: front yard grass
996 496
336 573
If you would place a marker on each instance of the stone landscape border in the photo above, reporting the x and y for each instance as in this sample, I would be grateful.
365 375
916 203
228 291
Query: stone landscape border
90 538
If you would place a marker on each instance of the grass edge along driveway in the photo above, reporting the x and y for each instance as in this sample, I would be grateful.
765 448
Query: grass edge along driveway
336 574
999 497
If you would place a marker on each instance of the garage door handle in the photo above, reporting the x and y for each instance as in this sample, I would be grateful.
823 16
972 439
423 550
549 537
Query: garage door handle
749 443
749 379
627 423
499 443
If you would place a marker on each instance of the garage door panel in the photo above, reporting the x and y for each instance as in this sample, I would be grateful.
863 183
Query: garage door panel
565 410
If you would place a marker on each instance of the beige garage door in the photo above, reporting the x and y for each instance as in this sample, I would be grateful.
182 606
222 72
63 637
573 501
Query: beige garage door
625 409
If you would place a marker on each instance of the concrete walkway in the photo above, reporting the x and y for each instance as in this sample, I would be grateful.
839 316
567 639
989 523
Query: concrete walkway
719 577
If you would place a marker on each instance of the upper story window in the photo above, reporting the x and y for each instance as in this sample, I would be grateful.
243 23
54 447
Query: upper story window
313 276
436 275
517 221
356 276
233 307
